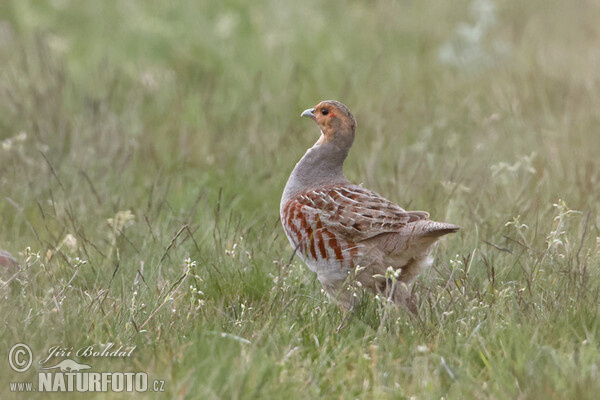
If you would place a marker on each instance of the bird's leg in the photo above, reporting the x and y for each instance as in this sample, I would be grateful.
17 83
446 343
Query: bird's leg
400 294
348 314
344 298
341 293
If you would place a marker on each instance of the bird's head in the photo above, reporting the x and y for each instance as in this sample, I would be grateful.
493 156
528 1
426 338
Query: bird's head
336 122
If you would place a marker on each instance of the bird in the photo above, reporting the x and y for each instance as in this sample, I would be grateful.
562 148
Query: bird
352 237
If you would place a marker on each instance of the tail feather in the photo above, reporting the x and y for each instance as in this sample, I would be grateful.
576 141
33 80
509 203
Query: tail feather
437 229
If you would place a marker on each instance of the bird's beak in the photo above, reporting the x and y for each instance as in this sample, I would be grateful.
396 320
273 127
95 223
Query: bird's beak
308 113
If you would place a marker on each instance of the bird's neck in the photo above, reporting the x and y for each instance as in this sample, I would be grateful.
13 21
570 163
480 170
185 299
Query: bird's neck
322 165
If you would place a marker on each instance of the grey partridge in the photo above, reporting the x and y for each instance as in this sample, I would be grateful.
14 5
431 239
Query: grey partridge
348 235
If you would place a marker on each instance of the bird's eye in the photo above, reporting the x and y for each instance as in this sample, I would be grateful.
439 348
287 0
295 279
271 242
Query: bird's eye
324 111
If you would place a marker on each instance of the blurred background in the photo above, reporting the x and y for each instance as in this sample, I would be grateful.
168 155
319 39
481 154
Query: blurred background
153 139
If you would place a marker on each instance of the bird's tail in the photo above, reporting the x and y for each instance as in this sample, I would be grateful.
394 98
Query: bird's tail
437 229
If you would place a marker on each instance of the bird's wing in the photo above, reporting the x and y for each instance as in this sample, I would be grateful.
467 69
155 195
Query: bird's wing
357 214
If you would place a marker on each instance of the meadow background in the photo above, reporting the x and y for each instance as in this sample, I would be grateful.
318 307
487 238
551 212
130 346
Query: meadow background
144 146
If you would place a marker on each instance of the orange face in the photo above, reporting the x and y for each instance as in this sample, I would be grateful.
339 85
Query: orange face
333 118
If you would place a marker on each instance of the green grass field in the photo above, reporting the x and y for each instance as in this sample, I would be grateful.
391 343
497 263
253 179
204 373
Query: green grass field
144 146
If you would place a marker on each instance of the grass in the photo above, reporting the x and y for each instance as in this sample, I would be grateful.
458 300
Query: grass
145 146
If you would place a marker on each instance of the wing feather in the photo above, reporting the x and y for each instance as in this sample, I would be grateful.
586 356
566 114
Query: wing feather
356 213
